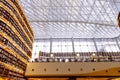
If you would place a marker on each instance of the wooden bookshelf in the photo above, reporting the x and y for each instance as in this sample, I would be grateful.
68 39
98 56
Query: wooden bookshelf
119 19
2 9
13 43
16 38
19 12
10 15
15 32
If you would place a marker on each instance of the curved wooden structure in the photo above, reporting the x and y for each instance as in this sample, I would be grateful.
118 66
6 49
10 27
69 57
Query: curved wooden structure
119 19
77 69
16 38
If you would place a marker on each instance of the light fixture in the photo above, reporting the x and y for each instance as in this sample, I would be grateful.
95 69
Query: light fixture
66 60
93 54
60 60
51 55
78 54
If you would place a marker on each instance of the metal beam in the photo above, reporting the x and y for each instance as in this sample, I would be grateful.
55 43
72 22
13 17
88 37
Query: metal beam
50 45
97 23
70 38
95 45
117 43
73 44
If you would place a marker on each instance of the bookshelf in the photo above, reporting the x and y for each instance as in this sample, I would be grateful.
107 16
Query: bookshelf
16 38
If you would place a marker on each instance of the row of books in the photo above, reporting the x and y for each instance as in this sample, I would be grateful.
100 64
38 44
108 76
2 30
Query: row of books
5 14
10 74
22 14
10 45
8 58
5 28
20 17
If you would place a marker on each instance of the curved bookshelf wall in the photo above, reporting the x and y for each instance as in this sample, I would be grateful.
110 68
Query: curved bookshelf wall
16 38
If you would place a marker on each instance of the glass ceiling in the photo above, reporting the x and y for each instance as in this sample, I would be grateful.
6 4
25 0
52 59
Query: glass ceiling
72 18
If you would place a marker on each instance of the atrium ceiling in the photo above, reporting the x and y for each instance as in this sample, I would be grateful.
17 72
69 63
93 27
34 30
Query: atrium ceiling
72 18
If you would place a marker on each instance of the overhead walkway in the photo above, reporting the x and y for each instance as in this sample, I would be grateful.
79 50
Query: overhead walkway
87 64
75 69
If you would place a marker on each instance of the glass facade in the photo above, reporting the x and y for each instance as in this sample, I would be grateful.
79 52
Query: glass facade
74 45
64 28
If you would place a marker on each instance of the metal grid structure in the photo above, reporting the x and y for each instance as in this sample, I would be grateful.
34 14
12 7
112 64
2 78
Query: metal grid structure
73 26
73 18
